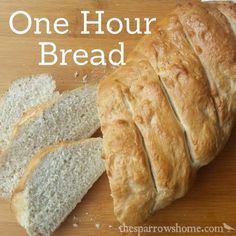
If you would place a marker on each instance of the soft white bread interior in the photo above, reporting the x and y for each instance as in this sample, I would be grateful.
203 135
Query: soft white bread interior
54 182
22 95
72 116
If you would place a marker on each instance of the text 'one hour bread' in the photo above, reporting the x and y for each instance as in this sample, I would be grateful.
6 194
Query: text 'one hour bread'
72 116
22 95
54 182
170 109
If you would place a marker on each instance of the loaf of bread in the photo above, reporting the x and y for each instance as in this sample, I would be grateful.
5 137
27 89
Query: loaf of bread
170 109
54 182
22 95
71 116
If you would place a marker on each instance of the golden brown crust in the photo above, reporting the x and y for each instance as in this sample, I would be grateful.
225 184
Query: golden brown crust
220 18
130 180
193 53
187 87
145 50
127 111
229 10
155 118
216 49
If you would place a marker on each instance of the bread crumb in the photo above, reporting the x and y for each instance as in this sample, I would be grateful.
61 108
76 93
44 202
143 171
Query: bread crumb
75 221
110 226
84 79
97 226
86 213
76 74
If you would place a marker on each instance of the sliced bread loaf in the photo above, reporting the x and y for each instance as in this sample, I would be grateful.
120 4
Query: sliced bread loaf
54 182
72 116
22 95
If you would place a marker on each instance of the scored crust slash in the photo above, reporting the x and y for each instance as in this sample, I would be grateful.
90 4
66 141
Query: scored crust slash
170 109
165 113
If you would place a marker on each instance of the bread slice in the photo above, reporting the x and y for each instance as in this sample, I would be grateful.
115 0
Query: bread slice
72 116
22 95
54 182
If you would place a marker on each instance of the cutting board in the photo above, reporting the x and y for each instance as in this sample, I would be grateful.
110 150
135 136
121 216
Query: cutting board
212 199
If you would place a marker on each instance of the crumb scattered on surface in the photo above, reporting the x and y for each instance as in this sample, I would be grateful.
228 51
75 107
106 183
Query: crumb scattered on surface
76 74
86 213
110 226
97 226
84 79
75 221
